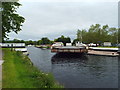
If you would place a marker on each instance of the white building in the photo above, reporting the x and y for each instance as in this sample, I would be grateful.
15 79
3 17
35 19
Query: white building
107 44
68 44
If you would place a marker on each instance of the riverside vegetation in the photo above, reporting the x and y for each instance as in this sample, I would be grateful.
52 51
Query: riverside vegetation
19 72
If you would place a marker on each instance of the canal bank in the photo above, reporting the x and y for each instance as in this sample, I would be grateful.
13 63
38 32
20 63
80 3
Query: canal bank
19 72
86 71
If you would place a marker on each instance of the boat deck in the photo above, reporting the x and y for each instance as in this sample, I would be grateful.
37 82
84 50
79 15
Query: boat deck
104 49
102 53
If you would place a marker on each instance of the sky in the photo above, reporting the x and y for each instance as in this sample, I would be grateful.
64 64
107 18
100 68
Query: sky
56 18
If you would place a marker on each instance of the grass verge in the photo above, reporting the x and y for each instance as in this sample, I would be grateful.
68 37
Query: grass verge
18 72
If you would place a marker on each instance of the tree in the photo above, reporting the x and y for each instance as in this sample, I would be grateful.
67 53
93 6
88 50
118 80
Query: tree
11 20
39 42
79 35
82 35
74 41
14 41
98 34
45 41
113 32
63 39
30 42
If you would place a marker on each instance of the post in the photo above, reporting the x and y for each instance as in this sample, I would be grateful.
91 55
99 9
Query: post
11 47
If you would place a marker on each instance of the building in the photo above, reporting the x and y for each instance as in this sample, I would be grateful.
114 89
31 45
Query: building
107 44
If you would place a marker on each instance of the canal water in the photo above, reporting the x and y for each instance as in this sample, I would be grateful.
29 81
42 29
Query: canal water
77 71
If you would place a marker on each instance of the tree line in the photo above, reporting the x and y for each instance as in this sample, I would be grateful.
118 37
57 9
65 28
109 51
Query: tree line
42 41
95 34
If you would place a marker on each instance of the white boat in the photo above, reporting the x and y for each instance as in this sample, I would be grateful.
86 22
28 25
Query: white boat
21 49
24 50
106 49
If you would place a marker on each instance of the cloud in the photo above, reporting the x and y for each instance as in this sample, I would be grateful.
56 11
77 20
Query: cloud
89 1
53 19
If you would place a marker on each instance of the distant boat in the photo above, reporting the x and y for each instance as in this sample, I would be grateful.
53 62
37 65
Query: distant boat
21 49
44 48
24 50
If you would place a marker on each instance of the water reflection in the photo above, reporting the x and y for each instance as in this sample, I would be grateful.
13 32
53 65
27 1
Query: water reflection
60 58
80 60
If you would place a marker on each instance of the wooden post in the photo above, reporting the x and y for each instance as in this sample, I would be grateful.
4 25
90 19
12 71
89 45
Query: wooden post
11 47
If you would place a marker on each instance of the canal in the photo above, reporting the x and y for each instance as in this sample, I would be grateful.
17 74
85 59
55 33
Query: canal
77 71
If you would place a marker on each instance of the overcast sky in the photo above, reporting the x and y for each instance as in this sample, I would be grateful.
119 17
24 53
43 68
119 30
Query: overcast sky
53 19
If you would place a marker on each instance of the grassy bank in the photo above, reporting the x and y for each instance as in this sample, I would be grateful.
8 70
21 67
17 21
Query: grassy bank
18 72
